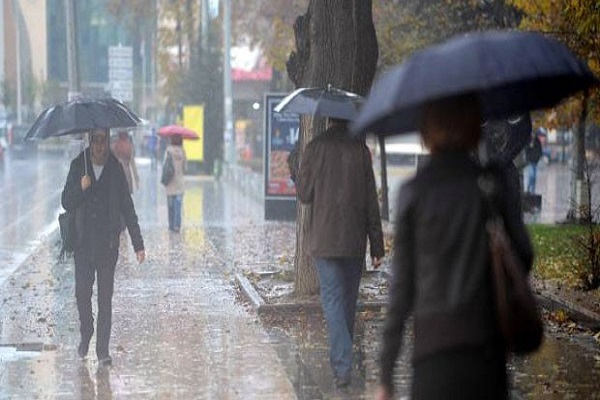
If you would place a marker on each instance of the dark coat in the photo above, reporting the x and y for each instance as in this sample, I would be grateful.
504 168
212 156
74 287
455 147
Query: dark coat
441 266
112 191
336 177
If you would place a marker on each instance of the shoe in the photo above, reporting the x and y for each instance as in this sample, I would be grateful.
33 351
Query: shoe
82 350
105 361
342 381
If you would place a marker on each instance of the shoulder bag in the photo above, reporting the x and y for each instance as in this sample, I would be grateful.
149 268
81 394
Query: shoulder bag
168 170
518 315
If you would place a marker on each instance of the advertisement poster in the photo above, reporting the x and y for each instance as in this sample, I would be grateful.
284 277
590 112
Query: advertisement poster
282 131
193 118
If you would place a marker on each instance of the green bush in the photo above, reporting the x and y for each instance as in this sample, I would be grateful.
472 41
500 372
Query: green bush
567 254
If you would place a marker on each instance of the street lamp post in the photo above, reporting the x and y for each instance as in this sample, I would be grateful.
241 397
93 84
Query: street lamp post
72 50
227 90
17 19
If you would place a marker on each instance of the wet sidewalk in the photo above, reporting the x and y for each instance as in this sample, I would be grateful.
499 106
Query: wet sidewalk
182 331
179 332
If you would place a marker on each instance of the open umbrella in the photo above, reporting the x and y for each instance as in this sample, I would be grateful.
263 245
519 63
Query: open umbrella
82 115
325 102
177 130
510 72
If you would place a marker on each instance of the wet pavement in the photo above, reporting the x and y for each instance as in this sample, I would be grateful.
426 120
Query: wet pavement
181 330
178 330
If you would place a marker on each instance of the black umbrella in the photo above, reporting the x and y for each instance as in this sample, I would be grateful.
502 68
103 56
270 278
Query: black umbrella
82 115
325 102
511 73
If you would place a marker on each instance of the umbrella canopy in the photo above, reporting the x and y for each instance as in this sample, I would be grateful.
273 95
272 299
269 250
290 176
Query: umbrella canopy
505 138
325 102
177 130
510 72
82 115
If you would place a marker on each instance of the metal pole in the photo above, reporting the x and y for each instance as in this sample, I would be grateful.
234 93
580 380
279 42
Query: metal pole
227 90
204 26
2 40
143 55
72 50
17 19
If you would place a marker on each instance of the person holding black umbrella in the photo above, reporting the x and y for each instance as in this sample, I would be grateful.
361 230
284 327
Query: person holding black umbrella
336 178
97 192
441 265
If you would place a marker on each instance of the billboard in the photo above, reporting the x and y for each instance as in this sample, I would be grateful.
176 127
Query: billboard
193 118
281 135
282 131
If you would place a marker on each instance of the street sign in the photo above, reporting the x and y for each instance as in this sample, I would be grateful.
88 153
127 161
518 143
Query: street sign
120 72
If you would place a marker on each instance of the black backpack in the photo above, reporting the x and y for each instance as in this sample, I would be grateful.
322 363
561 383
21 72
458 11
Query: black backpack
168 170
66 223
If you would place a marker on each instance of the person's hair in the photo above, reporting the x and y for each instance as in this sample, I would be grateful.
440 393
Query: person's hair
176 140
452 123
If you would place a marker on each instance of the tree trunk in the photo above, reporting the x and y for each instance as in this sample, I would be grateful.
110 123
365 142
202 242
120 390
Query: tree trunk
385 204
579 209
335 44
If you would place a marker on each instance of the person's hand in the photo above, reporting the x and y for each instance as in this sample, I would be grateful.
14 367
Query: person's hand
86 182
376 262
383 393
141 256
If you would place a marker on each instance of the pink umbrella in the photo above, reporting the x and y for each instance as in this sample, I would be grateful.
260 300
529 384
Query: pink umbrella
176 130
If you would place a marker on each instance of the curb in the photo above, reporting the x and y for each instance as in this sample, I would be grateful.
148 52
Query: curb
261 306
582 316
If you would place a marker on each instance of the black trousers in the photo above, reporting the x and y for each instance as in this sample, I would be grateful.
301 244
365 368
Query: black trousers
467 373
86 270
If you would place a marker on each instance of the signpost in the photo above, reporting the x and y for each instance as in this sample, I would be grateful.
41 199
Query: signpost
281 135
120 72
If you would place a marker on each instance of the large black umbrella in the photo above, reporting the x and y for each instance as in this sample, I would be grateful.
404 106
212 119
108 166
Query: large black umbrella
322 101
82 115
510 72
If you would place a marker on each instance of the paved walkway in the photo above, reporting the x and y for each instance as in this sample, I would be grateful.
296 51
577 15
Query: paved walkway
178 330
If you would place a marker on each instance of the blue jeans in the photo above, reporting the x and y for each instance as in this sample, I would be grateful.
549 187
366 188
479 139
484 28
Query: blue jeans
174 204
340 279
531 178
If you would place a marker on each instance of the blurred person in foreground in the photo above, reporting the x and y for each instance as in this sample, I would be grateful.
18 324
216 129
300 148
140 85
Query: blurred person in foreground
124 151
97 192
176 186
336 178
442 267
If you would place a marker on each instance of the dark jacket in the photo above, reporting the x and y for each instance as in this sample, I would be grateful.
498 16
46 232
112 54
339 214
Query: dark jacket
533 151
108 196
442 270
336 177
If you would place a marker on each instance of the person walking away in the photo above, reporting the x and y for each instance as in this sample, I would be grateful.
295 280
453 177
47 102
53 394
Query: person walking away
153 148
176 187
442 266
124 151
533 153
96 191
336 177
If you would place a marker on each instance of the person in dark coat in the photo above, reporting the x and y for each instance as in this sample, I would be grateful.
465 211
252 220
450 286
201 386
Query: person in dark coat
533 153
442 266
97 192
336 177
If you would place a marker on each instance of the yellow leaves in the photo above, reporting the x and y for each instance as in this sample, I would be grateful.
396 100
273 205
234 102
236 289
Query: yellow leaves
559 316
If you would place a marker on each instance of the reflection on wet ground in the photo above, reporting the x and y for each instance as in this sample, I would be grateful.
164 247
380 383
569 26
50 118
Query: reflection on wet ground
564 368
